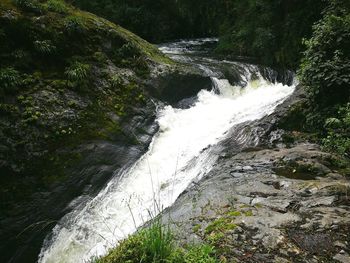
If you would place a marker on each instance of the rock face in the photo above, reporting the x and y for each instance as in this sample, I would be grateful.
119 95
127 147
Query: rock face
266 202
78 99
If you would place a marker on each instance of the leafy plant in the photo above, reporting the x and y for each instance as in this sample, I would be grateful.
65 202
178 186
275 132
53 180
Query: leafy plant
44 47
116 82
10 79
325 68
338 132
200 254
77 74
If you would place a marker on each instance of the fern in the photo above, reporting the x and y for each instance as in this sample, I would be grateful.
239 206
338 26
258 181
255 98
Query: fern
77 74
10 79
44 47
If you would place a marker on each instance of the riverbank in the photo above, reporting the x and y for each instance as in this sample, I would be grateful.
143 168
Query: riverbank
268 199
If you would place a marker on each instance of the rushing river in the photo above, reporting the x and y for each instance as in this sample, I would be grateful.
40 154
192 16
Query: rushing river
179 153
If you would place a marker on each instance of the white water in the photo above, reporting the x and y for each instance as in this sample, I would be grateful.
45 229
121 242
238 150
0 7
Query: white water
179 154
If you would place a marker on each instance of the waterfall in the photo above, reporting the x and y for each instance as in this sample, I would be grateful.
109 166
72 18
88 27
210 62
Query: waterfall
179 153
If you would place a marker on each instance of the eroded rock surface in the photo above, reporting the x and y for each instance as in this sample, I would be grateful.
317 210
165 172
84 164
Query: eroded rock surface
266 202
255 215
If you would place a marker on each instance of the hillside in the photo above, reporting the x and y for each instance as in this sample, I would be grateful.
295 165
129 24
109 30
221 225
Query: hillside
75 92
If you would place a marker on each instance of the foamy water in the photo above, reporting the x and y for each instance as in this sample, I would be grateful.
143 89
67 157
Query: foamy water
179 153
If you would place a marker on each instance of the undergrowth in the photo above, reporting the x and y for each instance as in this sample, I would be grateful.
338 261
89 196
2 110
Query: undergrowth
156 244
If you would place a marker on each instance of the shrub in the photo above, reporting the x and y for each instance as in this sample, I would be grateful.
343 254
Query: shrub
325 68
10 79
338 132
58 6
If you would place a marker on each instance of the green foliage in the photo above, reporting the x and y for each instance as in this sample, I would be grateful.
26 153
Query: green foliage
7 109
161 20
128 50
270 31
29 5
200 254
156 245
325 68
116 82
74 25
77 74
220 225
338 132
10 80
58 6
44 47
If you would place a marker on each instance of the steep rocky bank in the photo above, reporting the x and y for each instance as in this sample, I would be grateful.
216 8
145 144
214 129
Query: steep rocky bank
268 198
78 99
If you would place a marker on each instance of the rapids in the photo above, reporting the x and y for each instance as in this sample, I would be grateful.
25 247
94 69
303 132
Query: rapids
180 153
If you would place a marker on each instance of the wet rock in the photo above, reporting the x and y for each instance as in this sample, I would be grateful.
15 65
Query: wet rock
174 87
342 257
289 218
321 201
247 168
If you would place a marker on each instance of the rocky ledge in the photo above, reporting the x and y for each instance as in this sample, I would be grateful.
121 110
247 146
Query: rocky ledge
265 201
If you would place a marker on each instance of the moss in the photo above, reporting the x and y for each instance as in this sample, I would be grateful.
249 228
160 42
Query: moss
196 228
248 213
216 238
59 88
58 6
234 213
220 225
258 205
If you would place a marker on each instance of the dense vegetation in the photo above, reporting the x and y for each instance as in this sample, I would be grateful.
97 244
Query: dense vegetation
269 31
160 20
325 70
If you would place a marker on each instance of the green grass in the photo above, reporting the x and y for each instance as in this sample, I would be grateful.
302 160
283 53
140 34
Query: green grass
156 244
